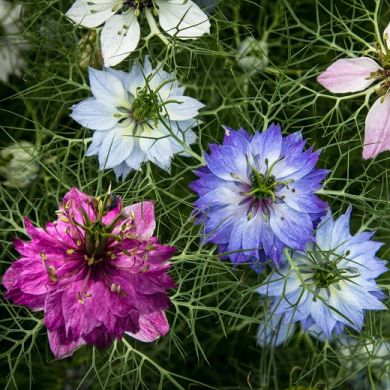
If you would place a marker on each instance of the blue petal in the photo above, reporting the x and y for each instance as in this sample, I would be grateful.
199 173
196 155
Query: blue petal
267 146
227 164
294 229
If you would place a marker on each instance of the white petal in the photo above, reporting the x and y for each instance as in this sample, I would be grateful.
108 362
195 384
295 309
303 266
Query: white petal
182 130
121 170
137 156
386 36
157 147
348 75
377 132
94 114
108 88
97 139
116 147
120 37
183 19
137 79
92 13
182 108
124 77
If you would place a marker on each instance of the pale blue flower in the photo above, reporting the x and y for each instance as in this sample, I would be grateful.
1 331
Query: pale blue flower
332 283
138 116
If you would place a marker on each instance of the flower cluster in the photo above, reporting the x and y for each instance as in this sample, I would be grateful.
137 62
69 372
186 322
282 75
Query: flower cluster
97 272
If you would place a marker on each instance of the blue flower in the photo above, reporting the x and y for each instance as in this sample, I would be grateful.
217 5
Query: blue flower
137 116
331 284
257 194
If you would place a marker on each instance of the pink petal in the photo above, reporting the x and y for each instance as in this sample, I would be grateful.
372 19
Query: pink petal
377 132
386 36
59 348
152 326
75 201
142 215
348 75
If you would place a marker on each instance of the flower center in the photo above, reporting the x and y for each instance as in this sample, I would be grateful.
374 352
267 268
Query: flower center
138 5
327 273
145 106
96 242
98 236
262 186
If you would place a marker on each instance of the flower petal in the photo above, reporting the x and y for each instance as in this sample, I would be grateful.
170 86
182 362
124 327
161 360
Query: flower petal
183 19
182 108
152 326
120 37
348 75
157 147
116 147
94 114
143 215
377 132
92 14
386 36
108 88
59 349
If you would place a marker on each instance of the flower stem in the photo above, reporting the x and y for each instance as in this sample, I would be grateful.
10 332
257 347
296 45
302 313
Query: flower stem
154 30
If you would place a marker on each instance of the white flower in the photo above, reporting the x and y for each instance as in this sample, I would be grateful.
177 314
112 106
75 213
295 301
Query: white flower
121 32
10 60
137 116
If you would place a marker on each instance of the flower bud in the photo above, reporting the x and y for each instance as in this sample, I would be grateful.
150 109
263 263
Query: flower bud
18 165
252 55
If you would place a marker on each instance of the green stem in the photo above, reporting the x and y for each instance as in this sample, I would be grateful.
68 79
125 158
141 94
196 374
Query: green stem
154 30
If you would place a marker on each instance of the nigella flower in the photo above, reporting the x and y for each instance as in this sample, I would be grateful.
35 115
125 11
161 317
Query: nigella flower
121 33
257 194
96 272
357 74
10 26
137 116
331 283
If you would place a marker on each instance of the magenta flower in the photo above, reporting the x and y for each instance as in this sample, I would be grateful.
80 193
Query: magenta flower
356 74
96 272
